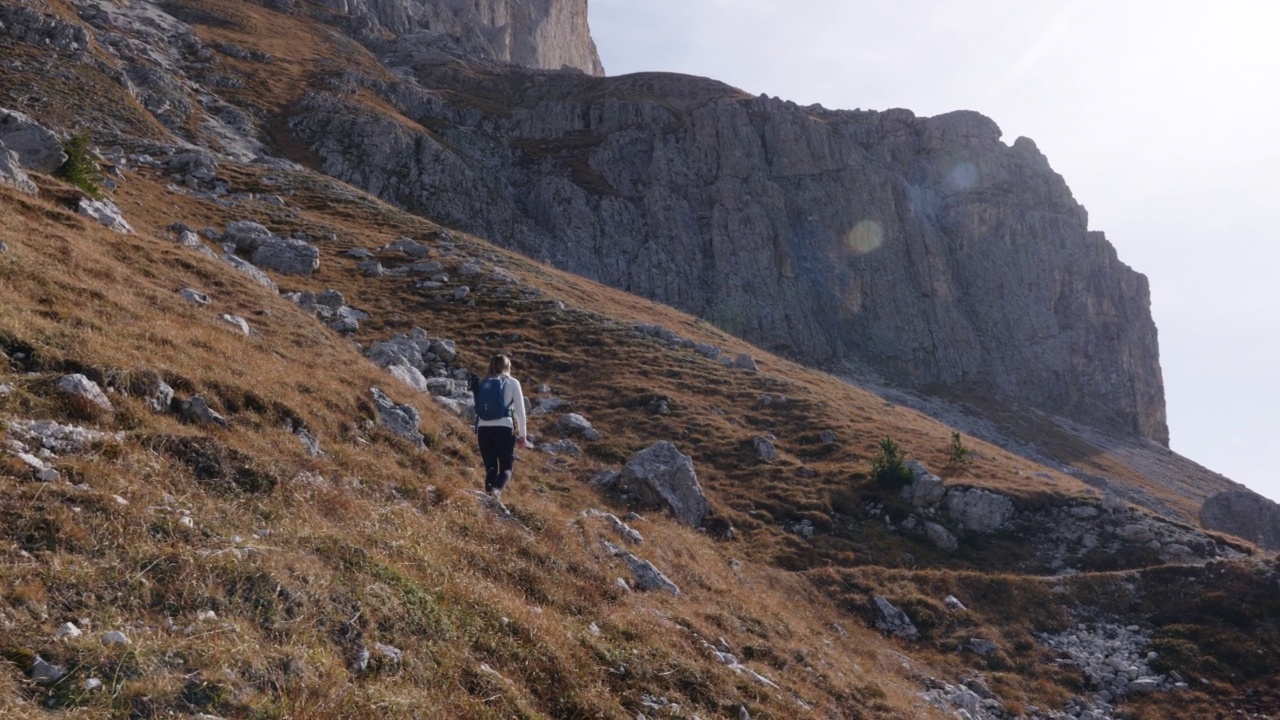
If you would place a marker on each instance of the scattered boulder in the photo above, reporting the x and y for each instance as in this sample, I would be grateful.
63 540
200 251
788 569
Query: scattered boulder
953 603
942 538
238 322
193 295
197 411
746 362
81 386
979 510
625 531
12 174
410 376
645 575
981 646
115 637
891 620
661 475
247 235
1245 514
765 449
925 489
36 146
105 212
547 405
562 447
287 256
400 419
248 268
44 672
573 423
67 630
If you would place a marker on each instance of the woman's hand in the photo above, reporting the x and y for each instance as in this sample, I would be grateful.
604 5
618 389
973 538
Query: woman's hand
525 442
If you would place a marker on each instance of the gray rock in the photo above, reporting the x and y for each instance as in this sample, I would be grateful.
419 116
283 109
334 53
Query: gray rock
237 322
410 247
942 538
331 299
115 637
400 419
953 603
444 349
625 531
925 489
372 268
105 212
562 447
746 362
36 146
573 423
197 411
1245 514
287 256
410 376
645 576
765 449
891 620
981 647
44 672
12 174
81 386
828 437
309 442
399 350
247 268
194 296
983 309
359 253
546 405
660 475
979 510
247 235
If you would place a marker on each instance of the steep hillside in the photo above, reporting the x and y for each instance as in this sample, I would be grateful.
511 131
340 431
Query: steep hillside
274 504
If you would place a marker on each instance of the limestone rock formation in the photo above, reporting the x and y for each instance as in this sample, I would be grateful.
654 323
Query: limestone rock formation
547 34
12 174
37 147
925 247
1245 514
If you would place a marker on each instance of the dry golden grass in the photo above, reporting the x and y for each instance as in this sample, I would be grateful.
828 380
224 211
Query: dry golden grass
305 559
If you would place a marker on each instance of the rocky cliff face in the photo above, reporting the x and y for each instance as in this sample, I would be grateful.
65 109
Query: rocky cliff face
548 34
926 247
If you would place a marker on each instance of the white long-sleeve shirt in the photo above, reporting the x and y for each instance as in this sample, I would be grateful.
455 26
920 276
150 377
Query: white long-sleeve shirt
512 397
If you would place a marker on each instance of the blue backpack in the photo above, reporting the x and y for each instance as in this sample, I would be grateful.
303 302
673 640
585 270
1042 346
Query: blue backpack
491 402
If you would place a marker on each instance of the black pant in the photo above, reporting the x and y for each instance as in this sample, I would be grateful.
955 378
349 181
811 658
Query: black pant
498 448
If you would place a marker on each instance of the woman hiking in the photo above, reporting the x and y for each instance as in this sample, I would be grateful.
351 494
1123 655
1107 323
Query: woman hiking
500 423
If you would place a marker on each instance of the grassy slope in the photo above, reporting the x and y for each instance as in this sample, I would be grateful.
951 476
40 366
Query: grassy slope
380 543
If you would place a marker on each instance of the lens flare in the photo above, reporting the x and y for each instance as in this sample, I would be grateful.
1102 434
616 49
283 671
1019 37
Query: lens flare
865 237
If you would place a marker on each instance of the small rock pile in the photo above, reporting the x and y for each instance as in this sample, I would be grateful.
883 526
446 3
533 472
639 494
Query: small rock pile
1113 659
427 364
330 308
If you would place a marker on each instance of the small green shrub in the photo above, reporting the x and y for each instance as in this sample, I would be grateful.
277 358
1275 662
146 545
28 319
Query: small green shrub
81 169
959 454
888 468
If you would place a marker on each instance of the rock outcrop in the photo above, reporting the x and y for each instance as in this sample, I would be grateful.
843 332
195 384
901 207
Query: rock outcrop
547 34
1245 514
660 475
925 247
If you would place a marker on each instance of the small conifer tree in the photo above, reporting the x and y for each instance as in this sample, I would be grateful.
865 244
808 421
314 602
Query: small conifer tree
81 169
888 467
959 454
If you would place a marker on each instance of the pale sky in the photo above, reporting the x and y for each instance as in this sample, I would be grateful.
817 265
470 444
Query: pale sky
1163 116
